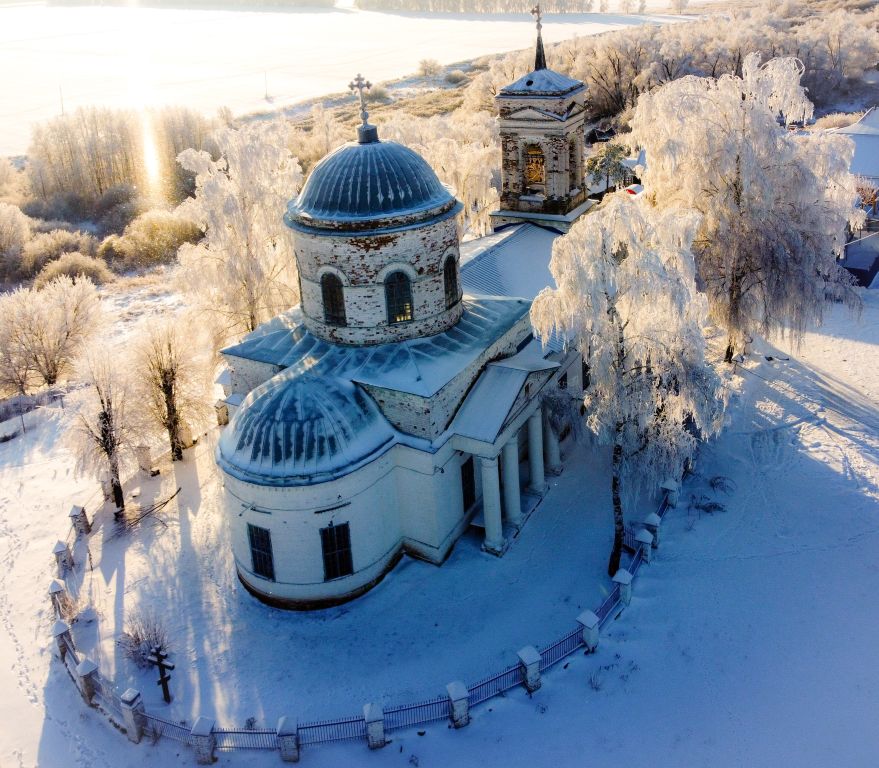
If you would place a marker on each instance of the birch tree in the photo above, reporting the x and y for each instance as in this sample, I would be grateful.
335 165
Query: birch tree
103 427
172 375
774 204
243 270
627 299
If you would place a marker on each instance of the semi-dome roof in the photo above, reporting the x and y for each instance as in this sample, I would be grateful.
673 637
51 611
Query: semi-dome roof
298 429
375 181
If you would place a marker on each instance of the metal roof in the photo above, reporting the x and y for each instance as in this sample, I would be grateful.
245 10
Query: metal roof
376 180
301 429
542 82
419 366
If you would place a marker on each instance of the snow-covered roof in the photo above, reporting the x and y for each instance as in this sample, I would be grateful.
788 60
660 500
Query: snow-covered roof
512 262
377 182
865 134
419 366
488 405
542 82
300 429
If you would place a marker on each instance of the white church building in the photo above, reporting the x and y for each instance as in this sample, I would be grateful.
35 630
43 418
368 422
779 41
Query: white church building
403 400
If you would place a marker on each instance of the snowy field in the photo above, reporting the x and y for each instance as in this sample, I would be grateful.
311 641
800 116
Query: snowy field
206 59
750 641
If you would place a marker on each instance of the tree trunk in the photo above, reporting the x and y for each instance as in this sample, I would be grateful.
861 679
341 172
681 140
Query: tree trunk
730 350
173 424
116 485
618 525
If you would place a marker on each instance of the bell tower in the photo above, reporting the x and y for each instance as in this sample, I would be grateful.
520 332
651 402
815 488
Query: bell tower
541 119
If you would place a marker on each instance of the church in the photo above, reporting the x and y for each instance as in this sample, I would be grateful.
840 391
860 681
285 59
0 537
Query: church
405 399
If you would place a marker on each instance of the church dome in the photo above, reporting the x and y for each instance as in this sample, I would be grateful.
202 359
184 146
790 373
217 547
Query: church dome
379 183
298 429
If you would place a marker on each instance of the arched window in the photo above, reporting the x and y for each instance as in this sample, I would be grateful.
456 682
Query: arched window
450 279
573 162
535 169
333 296
398 297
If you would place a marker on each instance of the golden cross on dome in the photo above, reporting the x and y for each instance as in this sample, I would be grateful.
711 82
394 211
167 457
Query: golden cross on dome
361 85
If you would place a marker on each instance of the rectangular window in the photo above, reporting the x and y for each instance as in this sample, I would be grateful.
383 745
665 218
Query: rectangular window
335 541
563 380
261 551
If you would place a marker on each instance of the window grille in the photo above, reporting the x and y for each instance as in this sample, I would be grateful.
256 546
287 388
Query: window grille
333 296
335 542
450 277
398 296
261 551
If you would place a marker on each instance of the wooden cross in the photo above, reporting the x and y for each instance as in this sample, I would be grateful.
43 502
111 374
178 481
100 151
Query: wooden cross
361 85
158 657
535 11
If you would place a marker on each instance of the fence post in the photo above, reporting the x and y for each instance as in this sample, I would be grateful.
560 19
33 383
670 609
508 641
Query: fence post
56 596
203 740
645 539
63 558
529 658
288 739
79 520
671 488
374 716
61 633
624 579
652 523
591 624
144 456
86 671
133 714
459 702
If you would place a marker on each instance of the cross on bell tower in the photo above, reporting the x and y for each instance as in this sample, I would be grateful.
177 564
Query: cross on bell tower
540 56
366 133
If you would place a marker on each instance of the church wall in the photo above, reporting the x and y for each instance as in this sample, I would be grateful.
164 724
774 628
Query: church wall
246 375
362 261
367 500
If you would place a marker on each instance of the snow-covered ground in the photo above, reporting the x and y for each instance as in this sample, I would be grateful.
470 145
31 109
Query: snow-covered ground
748 642
206 59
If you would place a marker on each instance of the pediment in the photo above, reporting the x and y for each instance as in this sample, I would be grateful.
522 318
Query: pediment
530 113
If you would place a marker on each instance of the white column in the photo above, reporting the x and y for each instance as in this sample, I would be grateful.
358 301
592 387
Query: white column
491 506
535 451
551 446
512 502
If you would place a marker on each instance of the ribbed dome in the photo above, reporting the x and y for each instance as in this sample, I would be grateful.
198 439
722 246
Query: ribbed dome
366 182
298 429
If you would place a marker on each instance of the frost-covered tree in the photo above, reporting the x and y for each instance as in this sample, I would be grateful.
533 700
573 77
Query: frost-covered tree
16 365
606 164
243 270
103 427
679 5
774 204
172 378
61 318
627 299
15 231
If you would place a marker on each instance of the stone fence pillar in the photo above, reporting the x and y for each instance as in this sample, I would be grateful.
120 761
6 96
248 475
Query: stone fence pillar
672 489
645 539
374 716
79 520
653 523
591 625
624 579
133 715
529 658
63 639
459 703
144 456
86 671
288 739
63 558
203 740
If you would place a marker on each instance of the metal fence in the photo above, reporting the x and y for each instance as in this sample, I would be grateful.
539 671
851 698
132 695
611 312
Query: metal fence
332 730
395 718
495 684
159 727
407 715
245 738
554 653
